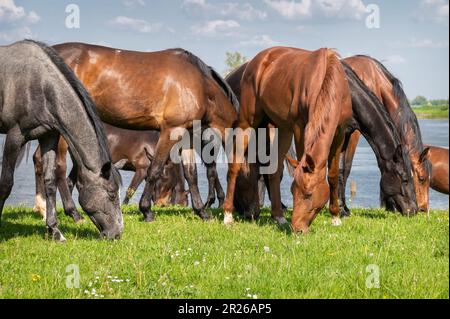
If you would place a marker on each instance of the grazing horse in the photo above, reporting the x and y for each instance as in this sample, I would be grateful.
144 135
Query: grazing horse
304 94
41 98
370 118
164 91
390 92
131 151
438 158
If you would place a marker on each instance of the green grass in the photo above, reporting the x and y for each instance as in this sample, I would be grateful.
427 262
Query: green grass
180 256
432 112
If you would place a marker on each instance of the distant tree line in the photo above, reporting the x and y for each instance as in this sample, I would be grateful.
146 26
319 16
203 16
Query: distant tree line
423 101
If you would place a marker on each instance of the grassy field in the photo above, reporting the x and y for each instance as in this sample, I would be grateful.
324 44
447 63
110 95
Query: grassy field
432 112
180 256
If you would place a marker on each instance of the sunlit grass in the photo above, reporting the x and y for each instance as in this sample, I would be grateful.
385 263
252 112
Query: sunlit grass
179 256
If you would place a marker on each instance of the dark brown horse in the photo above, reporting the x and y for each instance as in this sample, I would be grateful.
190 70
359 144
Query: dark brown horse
130 151
438 158
390 92
164 91
306 96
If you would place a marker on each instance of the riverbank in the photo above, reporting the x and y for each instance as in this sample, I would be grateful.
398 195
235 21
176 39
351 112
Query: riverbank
374 254
432 112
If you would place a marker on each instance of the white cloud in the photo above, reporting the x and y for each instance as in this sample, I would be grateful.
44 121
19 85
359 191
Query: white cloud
141 26
231 10
263 41
15 21
304 9
415 43
433 10
395 59
217 28
133 3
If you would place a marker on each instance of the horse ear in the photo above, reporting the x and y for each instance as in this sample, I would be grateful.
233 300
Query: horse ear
121 164
309 166
106 170
425 155
292 162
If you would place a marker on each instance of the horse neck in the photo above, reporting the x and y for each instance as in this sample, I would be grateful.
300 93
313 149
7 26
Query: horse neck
76 127
376 126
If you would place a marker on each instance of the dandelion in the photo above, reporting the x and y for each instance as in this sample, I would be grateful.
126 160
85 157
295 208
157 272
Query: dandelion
197 263
267 249
35 277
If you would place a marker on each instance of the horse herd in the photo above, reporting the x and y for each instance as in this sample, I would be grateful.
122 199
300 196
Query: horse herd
114 109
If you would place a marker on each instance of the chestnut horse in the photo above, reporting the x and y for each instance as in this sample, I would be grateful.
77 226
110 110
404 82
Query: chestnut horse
438 158
390 92
370 118
306 96
164 91
130 151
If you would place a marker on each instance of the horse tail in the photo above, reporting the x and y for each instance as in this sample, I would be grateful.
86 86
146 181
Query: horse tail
24 154
322 103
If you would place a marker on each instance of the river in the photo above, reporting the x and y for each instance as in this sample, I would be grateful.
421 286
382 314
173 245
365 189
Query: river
365 174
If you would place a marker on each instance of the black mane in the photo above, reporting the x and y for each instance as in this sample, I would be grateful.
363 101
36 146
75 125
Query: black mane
83 95
406 116
352 74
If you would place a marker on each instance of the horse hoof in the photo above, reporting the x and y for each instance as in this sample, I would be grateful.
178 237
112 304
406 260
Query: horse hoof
281 221
77 218
58 237
149 218
228 218
336 222
345 212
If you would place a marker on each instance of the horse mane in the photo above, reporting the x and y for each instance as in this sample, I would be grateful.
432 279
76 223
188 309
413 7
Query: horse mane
325 97
210 72
406 116
380 108
82 94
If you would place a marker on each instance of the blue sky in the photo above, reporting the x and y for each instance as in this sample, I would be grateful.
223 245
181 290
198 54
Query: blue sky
413 38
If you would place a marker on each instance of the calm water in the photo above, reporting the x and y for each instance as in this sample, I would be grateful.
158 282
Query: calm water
365 173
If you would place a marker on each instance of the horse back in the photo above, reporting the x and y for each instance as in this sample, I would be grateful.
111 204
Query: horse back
375 79
139 90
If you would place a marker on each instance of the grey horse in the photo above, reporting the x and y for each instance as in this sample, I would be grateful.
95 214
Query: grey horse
41 99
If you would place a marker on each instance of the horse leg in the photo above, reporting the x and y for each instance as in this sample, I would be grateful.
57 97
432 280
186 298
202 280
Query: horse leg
138 178
333 176
285 142
40 201
218 186
13 144
72 178
190 173
347 157
162 153
262 190
70 208
211 175
49 146
179 194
